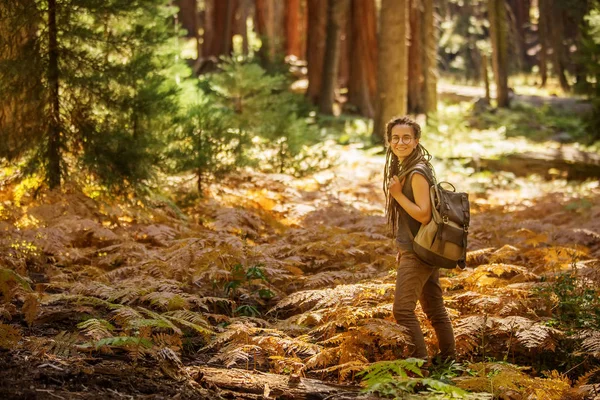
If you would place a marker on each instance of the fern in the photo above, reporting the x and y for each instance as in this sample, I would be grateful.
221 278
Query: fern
63 344
9 336
96 328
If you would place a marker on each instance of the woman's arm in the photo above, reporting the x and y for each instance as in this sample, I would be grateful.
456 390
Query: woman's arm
421 208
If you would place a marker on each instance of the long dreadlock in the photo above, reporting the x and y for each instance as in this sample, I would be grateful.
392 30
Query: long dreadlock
393 167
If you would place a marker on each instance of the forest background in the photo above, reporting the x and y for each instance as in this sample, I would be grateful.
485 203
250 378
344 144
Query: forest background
193 188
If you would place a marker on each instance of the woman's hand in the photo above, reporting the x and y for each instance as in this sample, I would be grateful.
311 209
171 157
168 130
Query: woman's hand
396 186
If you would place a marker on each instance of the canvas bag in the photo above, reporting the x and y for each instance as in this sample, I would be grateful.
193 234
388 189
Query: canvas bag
442 242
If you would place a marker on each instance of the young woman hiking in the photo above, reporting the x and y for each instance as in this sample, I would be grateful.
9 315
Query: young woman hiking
408 205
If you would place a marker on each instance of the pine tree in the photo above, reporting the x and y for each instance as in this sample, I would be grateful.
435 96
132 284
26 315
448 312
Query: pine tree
86 85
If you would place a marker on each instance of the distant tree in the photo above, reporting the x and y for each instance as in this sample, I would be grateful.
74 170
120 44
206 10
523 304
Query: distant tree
416 55
499 39
315 51
430 65
294 29
270 17
362 82
519 10
337 12
218 24
95 82
189 19
392 64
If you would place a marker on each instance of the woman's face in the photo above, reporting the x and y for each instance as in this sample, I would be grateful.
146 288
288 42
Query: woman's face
403 141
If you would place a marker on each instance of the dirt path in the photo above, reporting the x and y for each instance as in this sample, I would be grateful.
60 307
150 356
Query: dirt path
567 104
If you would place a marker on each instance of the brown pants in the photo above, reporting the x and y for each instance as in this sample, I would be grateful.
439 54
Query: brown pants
417 281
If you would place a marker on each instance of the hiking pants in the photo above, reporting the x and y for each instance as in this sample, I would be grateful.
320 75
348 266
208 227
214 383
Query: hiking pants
417 281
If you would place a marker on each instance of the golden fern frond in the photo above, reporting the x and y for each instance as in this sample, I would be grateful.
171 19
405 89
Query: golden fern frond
478 257
9 281
9 336
182 320
164 320
328 278
386 332
83 300
125 315
30 309
121 273
344 369
166 300
237 332
325 357
514 323
591 343
96 328
468 332
287 365
236 354
7 311
584 379
539 337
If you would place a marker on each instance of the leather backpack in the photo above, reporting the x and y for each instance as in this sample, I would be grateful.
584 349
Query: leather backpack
442 242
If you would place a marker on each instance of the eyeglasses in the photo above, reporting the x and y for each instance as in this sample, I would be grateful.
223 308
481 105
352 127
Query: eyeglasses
406 139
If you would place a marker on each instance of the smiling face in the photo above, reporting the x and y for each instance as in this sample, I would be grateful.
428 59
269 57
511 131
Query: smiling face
402 141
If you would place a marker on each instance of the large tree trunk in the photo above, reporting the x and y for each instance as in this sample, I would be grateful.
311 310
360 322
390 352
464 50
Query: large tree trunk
269 26
189 18
240 17
218 30
337 11
415 101
543 36
498 33
392 64
430 35
293 29
559 51
315 54
362 82
520 10
54 139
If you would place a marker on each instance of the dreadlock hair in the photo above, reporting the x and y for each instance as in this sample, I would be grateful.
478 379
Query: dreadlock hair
393 167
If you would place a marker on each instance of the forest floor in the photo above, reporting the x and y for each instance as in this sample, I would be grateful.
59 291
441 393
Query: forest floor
110 298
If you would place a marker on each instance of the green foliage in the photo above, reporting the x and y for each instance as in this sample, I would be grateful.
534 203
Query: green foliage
590 62
264 111
577 303
400 379
116 86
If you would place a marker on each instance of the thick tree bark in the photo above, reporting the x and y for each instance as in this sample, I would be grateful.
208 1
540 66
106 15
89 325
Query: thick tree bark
498 37
218 28
270 20
189 18
241 15
430 35
392 64
559 53
315 54
54 139
362 82
415 101
520 10
543 36
337 12
486 80
293 40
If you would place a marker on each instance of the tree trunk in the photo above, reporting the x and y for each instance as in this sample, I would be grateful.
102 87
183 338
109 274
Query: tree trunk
543 36
559 51
315 54
415 60
362 82
218 28
54 140
189 18
240 17
520 9
292 29
269 26
486 80
498 37
392 65
430 35
337 11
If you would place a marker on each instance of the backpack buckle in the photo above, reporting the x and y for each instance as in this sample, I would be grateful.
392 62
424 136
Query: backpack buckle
465 228
445 219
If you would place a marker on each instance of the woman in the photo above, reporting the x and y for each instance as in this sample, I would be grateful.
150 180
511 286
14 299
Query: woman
408 205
